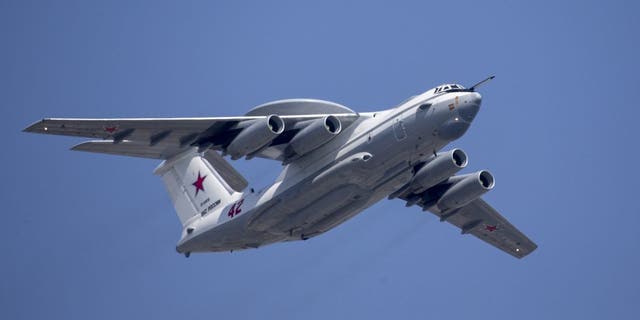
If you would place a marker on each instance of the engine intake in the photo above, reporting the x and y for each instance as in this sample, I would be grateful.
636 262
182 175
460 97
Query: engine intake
255 136
465 189
317 133
443 166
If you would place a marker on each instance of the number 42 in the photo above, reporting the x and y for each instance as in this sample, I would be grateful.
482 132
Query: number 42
235 209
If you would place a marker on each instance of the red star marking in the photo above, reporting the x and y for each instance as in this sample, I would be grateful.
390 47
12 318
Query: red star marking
198 183
111 129
491 228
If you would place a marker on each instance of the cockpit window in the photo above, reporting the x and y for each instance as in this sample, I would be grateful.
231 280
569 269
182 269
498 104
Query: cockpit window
448 88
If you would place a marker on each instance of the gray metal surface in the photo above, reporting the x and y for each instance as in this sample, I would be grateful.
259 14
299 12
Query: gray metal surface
324 181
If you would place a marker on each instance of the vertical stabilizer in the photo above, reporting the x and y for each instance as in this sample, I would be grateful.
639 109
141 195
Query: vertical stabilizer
195 186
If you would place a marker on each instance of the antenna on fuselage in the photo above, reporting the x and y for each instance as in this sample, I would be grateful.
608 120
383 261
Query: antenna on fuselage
473 87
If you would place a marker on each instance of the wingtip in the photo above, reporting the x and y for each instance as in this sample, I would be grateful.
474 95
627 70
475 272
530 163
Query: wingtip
527 251
36 127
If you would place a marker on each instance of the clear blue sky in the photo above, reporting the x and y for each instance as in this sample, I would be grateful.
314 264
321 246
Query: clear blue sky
93 236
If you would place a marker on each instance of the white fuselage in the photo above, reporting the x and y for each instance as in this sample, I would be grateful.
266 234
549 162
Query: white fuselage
365 163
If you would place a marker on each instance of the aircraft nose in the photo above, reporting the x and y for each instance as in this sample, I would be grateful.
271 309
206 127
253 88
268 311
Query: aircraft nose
475 98
471 106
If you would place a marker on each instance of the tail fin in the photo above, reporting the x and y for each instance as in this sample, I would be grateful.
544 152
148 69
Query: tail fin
198 184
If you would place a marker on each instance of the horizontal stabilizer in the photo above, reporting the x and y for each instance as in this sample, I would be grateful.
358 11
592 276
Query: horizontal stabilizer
227 172
127 148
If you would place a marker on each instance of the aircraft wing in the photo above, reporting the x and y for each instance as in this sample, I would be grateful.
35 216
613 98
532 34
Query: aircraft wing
161 138
481 220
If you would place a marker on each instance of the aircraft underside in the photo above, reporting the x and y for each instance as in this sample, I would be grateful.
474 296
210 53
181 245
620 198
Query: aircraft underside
336 163
299 213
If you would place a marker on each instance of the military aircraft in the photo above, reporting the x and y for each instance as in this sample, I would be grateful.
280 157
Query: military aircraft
336 163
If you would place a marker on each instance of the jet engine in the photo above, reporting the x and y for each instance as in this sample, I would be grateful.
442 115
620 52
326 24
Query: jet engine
467 188
443 166
317 133
255 136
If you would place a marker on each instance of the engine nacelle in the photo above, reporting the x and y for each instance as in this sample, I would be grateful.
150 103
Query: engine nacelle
467 188
255 136
439 169
317 133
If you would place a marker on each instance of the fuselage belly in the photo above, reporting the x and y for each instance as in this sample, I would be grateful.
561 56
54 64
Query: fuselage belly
374 157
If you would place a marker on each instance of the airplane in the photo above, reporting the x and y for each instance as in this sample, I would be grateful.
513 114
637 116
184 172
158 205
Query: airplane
336 163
